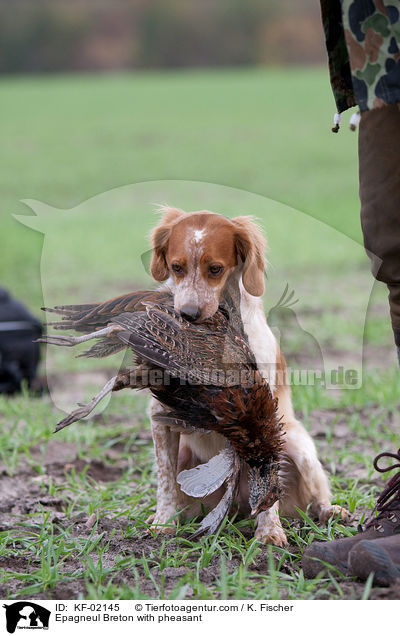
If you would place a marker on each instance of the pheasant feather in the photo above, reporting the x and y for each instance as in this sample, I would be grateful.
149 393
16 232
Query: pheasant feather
209 382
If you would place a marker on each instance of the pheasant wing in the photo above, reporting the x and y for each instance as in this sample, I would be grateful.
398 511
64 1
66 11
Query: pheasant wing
210 353
85 318
161 337
215 517
207 478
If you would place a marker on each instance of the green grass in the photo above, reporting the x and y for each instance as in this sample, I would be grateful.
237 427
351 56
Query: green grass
263 137
112 559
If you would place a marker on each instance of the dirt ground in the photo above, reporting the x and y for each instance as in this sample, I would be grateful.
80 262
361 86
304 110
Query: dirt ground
22 495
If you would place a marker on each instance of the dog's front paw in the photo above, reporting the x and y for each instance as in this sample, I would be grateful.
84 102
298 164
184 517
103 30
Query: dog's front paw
275 536
332 510
269 529
162 522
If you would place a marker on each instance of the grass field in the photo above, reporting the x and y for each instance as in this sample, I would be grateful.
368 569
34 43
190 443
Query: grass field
263 138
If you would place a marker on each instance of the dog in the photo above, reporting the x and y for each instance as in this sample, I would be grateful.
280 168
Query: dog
193 255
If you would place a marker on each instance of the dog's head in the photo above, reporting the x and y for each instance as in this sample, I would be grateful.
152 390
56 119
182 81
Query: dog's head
197 251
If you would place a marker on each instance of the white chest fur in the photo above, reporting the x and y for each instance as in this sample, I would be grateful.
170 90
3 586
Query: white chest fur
261 339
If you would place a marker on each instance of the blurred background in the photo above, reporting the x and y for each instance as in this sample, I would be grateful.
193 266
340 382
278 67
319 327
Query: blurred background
97 35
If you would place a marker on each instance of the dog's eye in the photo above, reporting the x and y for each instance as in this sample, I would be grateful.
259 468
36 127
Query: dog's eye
216 269
178 269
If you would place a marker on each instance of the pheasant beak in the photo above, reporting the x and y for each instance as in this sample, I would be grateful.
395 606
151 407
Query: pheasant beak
263 505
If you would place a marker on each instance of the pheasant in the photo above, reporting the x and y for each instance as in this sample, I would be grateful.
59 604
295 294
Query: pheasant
205 375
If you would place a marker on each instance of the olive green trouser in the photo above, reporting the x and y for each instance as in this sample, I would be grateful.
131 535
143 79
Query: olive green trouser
379 168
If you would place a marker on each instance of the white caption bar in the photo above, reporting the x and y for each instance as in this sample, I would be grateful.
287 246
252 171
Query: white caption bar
174 617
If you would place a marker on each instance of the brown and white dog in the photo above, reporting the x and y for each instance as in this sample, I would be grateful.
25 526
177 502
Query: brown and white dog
193 254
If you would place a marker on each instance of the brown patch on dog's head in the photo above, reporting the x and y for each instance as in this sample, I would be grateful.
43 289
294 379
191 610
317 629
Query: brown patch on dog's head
251 247
197 251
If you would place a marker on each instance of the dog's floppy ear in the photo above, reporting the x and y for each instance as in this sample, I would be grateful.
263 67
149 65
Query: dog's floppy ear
250 247
159 241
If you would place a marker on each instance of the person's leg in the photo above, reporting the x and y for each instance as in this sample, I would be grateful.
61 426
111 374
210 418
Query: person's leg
335 554
379 171
381 556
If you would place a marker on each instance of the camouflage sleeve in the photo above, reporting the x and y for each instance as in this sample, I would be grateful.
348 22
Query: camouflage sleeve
363 44
372 32
338 57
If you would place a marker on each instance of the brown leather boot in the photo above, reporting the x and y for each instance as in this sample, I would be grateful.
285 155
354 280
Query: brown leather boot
325 554
381 556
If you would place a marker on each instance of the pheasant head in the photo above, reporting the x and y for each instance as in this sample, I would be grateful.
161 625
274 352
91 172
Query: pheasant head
263 486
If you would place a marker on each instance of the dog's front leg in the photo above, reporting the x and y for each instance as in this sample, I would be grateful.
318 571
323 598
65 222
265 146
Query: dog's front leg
269 528
166 446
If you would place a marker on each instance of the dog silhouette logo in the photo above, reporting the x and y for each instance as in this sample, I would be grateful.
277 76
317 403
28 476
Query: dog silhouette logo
26 615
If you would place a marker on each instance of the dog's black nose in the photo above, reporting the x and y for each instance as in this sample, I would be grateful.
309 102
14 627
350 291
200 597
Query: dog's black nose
190 312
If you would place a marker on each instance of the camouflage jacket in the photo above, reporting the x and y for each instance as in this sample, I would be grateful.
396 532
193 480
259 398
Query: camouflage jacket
363 43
